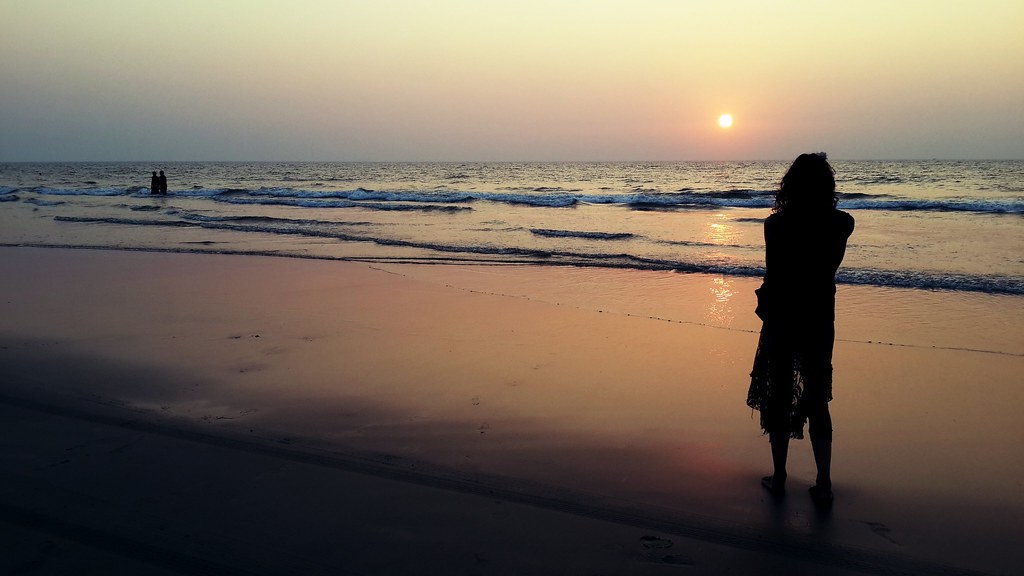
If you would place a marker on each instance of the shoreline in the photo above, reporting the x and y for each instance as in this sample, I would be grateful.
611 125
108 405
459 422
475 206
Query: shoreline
992 306
546 396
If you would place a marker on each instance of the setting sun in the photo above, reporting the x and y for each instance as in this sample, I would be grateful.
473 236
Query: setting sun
725 120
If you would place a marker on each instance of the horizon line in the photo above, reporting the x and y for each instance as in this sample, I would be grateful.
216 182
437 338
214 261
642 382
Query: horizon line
662 161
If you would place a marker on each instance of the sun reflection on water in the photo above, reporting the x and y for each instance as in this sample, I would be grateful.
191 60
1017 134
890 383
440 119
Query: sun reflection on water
720 312
720 231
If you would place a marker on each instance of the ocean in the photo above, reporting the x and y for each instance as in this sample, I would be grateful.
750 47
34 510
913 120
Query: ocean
931 225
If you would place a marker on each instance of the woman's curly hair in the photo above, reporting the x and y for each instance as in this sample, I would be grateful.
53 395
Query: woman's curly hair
809 185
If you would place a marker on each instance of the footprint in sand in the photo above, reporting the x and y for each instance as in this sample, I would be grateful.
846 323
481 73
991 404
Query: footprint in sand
655 543
882 530
655 551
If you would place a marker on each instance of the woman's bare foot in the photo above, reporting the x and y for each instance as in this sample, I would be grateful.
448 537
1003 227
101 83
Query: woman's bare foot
821 495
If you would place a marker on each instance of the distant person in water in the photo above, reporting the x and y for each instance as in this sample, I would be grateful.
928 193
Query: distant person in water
791 382
154 184
163 183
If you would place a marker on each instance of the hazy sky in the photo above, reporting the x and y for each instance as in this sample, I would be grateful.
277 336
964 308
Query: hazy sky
509 80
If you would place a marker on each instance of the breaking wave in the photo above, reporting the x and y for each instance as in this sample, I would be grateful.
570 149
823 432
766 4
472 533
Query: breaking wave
990 283
540 197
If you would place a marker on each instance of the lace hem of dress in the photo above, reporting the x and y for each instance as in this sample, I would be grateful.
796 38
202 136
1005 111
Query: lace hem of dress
780 403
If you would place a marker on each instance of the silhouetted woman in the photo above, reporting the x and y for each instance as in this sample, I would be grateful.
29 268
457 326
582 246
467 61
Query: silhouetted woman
163 183
791 383
154 184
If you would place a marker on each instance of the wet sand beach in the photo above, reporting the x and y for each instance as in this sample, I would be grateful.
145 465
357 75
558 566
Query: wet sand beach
183 413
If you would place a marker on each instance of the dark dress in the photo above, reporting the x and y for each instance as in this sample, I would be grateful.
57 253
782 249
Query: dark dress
792 374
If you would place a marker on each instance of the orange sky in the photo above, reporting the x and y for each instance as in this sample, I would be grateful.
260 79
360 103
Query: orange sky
525 80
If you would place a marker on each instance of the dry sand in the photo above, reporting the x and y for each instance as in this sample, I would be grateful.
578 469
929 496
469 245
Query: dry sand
168 413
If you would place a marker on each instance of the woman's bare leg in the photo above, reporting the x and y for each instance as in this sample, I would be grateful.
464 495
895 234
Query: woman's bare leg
776 483
820 429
